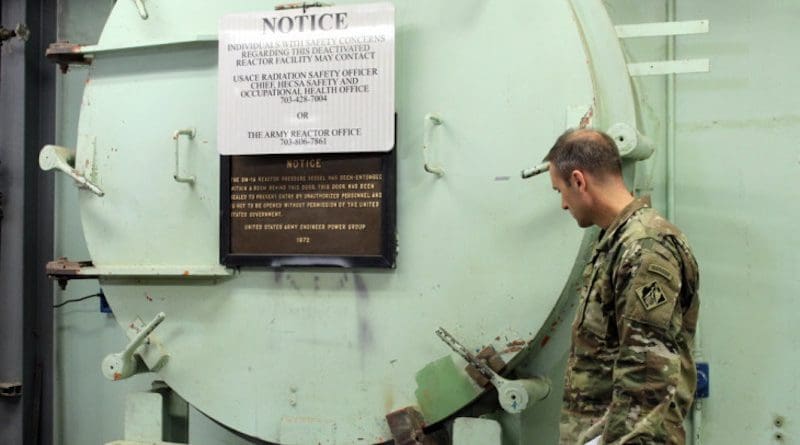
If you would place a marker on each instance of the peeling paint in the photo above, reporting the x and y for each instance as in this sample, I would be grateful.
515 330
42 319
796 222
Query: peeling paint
586 120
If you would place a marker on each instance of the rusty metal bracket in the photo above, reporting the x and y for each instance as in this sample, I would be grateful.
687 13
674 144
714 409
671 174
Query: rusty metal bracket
66 54
21 32
11 389
63 270
489 356
407 425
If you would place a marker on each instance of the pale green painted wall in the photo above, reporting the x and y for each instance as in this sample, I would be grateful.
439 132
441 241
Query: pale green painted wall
736 199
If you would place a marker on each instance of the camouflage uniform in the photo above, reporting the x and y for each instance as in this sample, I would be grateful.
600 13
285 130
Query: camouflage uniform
630 371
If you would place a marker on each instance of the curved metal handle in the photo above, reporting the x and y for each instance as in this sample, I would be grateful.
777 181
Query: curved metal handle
121 365
535 170
63 159
190 132
431 120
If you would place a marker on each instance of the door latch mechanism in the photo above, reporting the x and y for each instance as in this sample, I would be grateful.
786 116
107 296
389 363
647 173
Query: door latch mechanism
514 395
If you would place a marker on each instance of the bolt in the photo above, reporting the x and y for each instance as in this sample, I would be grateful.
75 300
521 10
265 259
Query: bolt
779 437
778 421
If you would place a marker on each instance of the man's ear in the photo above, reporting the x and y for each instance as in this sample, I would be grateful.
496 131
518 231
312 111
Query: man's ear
578 179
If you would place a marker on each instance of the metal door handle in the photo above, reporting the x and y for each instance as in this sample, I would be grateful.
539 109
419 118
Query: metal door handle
431 120
190 133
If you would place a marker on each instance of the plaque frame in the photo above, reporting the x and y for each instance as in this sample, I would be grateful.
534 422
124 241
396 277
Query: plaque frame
388 245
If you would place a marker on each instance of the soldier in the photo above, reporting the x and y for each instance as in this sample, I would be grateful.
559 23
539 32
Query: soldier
630 377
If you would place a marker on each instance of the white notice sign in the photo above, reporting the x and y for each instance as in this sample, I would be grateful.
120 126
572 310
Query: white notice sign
319 80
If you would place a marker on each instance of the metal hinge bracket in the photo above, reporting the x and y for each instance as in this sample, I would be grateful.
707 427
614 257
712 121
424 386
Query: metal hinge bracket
66 54
63 270
10 389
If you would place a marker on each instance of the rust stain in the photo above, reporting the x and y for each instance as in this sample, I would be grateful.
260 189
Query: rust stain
587 118
545 340
516 343
117 376
511 349
185 273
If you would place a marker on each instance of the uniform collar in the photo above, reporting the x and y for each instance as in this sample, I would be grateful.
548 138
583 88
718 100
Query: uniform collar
610 233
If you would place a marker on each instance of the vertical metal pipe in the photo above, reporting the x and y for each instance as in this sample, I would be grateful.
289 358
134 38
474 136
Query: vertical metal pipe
670 136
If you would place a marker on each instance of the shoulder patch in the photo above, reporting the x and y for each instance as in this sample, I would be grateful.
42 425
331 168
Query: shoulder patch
660 270
651 296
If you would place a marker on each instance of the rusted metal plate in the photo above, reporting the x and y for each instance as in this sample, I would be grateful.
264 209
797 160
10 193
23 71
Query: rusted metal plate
407 426
63 270
490 356
66 54
308 210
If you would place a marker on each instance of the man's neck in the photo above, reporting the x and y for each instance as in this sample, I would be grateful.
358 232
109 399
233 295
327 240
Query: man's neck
610 204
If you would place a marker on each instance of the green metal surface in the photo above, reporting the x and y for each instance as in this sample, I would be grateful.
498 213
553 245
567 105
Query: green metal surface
440 387
736 160
337 334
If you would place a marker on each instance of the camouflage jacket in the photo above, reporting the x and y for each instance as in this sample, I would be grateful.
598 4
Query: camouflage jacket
630 374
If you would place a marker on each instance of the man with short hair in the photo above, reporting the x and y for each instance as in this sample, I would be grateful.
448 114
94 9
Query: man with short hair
630 377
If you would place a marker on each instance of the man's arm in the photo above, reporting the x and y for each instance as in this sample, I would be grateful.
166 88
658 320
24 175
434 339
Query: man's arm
647 372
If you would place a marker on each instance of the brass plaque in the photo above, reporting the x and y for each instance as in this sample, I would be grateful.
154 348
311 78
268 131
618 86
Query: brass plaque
311 210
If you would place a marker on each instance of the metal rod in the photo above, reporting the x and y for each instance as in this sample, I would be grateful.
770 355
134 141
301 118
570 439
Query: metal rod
142 335
141 8
535 170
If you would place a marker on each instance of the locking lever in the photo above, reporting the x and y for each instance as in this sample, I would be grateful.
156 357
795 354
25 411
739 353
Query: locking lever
121 365
62 158
514 395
